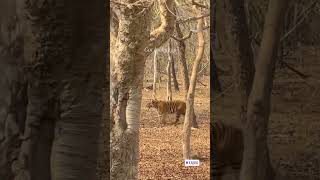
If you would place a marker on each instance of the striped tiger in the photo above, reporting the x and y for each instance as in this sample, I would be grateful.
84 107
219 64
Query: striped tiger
168 107
226 151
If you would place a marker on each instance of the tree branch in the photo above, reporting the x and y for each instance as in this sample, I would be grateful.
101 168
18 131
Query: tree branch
199 5
164 31
184 38
192 18
302 75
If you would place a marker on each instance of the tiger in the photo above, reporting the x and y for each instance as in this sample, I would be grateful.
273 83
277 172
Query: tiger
164 108
226 151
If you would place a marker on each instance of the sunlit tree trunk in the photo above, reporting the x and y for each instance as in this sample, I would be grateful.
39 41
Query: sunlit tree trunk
191 91
155 75
134 43
256 161
184 68
169 87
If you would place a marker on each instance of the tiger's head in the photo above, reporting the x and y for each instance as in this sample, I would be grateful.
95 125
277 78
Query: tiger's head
153 103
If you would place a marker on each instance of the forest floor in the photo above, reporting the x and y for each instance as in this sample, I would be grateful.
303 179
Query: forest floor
294 129
161 146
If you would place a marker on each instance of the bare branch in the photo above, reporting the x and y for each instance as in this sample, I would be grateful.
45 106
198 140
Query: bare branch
192 18
199 4
201 83
302 75
145 4
196 31
164 31
184 38
304 14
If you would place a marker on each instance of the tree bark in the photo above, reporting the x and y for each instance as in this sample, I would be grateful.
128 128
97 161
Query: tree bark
155 75
174 77
239 48
170 60
214 79
13 85
67 69
173 72
213 48
191 91
238 44
183 60
134 44
256 162
184 68
58 108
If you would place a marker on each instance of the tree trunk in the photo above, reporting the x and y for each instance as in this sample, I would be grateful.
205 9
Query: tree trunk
213 48
239 46
173 71
155 75
65 91
169 89
240 50
13 105
191 91
174 77
13 86
183 60
184 69
214 79
127 79
256 162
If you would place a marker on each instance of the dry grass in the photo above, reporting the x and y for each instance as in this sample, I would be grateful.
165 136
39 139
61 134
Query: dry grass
161 146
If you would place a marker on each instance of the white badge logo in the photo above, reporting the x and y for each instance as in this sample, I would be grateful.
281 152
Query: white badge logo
191 162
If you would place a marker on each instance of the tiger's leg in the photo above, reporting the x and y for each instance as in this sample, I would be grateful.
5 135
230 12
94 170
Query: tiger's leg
163 118
159 116
177 118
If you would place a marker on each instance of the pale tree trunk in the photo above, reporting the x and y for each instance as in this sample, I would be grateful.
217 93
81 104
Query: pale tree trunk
169 88
256 161
155 75
184 68
191 91
127 78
